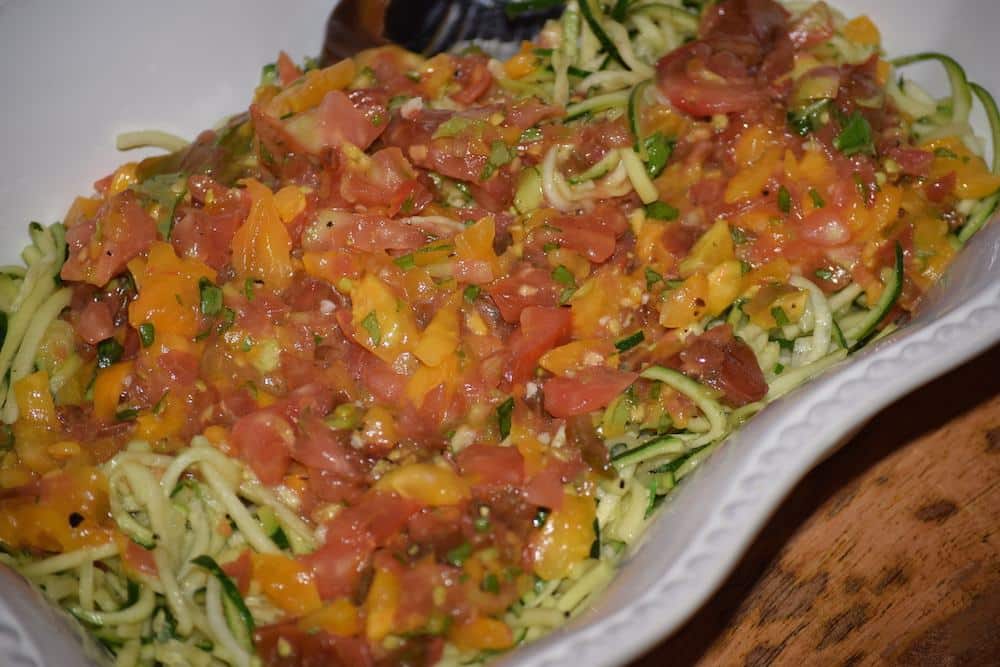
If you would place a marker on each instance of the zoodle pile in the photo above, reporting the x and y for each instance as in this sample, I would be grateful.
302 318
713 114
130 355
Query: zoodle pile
394 367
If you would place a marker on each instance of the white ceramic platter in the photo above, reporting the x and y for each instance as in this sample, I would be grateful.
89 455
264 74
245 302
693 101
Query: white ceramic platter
77 73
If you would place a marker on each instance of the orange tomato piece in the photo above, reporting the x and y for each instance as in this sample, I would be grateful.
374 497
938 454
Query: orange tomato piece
287 583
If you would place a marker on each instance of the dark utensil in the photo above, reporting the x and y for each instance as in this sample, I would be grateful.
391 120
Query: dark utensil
432 26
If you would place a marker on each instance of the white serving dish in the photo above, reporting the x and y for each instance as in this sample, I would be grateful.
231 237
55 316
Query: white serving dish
76 74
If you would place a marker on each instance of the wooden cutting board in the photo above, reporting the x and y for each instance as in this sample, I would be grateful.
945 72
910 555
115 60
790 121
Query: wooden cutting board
887 554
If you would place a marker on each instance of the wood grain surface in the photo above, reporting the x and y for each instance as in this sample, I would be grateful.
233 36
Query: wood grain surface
887 554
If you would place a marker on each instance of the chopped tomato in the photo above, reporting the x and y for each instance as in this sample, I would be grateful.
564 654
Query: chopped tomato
95 323
542 328
526 286
725 363
264 440
491 466
592 389
126 230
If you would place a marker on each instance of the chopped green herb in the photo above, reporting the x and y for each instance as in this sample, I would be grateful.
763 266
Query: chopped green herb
161 403
226 320
627 343
408 206
504 412
166 190
816 199
855 137
550 246
531 135
371 325
661 210
471 293
824 274
490 583
405 262
738 235
778 368
109 351
126 415
808 118
564 276
566 295
147 333
941 151
658 150
784 199
459 554
652 277
268 74
211 297
248 287
780 317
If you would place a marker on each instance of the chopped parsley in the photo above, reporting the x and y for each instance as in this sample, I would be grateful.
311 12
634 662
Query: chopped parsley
147 333
855 137
658 150
661 210
371 325
784 199
211 297
504 412
109 351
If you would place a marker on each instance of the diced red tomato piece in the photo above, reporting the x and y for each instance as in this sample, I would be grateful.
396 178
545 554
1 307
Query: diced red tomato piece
264 441
542 328
287 645
492 466
95 323
725 363
526 286
592 389
126 231
240 569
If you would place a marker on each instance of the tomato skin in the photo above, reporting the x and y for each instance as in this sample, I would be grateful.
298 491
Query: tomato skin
95 322
351 538
139 559
592 389
542 328
474 77
726 364
701 98
309 649
527 286
321 448
491 466
545 489
126 232
745 43
264 441
339 120
240 570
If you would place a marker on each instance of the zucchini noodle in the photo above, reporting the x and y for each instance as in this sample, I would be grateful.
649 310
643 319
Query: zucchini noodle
158 593
174 507
150 139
